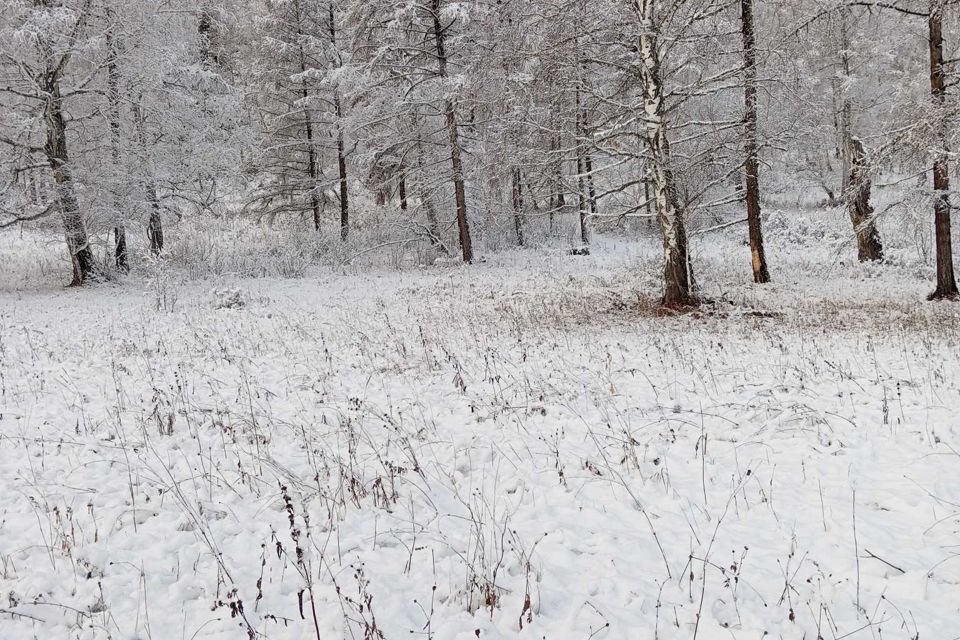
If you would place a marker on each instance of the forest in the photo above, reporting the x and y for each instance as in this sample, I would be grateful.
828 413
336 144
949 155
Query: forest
568 319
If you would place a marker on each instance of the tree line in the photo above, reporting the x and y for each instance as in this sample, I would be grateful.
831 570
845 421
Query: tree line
489 116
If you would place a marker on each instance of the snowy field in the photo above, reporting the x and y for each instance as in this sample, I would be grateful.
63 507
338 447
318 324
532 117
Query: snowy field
521 448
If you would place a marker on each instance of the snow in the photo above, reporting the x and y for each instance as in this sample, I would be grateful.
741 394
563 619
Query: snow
466 440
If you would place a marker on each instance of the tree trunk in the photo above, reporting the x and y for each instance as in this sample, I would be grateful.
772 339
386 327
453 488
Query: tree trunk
313 166
433 226
518 205
582 206
582 200
854 168
342 167
557 200
341 157
677 275
858 204
402 188
84 265
648 201
844 116
113 98
456 161
154 222
591 189
751 144
946 282
55 150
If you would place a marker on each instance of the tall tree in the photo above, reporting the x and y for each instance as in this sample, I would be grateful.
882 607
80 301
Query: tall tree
55 32
855 167
453 133
946 281
677 272
337 63
114 99
751 143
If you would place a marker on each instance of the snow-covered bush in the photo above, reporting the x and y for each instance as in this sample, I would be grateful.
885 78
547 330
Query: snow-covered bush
228 298
159 282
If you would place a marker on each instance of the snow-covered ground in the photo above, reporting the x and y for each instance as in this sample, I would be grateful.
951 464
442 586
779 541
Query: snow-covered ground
520 448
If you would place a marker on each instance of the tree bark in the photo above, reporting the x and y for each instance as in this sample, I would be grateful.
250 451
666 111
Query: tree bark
113 97
946 281
858 204
341 156
582 206
591 188
456 160
582 199
518 204
155 221
677 274
557 198
84 264
648 201
844 114
751 144
313 165
433 226
402 188
342 167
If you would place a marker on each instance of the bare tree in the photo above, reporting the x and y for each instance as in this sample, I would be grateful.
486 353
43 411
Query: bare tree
453 135
751 143
946 281
677 272
113 98
338 114
39 86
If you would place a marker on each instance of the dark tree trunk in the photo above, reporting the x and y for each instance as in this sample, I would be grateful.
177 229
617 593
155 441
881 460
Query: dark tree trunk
342 167
751 145
582 204
402 188
591 189
155 223
557 199
518 204
121 254
113 97
341 154
858 204
456 161
946 281
831 197
84 265
55 149
582 199
313 164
